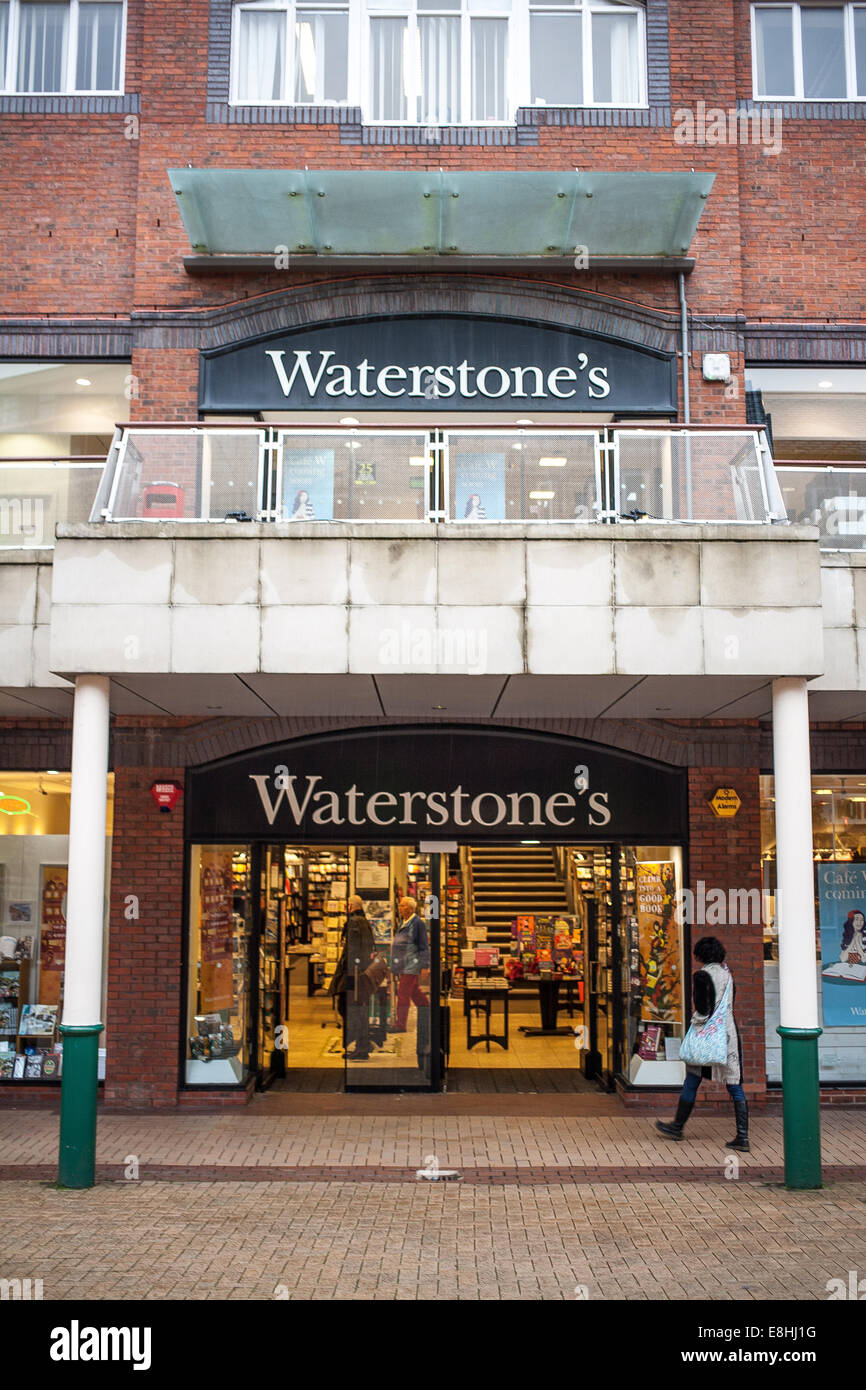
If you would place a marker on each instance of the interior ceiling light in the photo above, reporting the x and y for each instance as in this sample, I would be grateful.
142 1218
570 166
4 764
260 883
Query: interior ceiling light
83 381
349 420
825 386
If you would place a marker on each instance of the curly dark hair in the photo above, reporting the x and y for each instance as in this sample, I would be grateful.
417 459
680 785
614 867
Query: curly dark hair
709 951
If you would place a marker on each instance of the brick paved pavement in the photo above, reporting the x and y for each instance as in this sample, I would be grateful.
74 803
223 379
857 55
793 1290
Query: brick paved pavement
546 1204
140 1240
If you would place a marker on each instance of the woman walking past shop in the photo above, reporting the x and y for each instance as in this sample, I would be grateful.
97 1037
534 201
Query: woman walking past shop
713 995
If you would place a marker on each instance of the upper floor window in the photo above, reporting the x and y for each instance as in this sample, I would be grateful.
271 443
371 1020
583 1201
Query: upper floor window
439 62
61 45
809 52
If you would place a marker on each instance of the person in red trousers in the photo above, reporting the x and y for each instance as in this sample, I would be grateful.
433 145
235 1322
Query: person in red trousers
410 963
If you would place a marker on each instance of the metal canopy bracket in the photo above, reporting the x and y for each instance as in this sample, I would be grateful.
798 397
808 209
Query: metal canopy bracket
255 218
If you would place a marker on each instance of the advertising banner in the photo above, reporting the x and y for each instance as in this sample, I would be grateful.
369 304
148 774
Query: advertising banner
217 896
308 485
479 487
842 913
659 942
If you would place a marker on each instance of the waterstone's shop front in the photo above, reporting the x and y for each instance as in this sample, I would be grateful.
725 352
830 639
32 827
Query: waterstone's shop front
543 879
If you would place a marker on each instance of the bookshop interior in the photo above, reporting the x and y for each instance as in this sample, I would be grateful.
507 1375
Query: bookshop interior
556 959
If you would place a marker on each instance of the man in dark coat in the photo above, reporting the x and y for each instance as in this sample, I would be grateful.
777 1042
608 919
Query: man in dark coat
349 985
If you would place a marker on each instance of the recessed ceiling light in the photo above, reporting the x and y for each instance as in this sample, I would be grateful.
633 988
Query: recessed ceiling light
541 496
51 772
552 463
825 386
524 422
83 381
438 706
349 420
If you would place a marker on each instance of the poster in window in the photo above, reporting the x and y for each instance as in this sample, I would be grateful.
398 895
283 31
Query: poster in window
658 942
53 880
480 487
308 485
217 898
842 912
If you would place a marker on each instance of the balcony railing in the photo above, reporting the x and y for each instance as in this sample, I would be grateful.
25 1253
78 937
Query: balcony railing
36 493
829 497
458 474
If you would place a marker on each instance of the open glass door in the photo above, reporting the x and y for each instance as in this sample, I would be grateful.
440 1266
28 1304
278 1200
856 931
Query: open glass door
392 981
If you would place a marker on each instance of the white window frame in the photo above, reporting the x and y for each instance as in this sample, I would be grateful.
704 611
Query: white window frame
849 8
9 77
289 8
516 14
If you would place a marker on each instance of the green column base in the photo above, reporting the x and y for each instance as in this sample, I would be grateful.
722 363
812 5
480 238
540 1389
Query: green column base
800 1106
78 1091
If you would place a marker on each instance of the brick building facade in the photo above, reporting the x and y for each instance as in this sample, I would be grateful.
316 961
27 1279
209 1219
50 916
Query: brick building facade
100 270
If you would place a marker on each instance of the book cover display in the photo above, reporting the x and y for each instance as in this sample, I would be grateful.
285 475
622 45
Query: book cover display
658 942
542 945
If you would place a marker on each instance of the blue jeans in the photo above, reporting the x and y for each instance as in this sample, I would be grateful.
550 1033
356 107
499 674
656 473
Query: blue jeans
693 1081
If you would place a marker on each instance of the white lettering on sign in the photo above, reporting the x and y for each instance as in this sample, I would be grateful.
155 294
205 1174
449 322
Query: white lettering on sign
285 791
297 370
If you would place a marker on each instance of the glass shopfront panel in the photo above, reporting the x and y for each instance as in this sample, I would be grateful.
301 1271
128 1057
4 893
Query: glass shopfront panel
839 855
34 860
219 1005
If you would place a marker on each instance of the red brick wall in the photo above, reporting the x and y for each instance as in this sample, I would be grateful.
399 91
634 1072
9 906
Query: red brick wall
93 227
144 956
727 854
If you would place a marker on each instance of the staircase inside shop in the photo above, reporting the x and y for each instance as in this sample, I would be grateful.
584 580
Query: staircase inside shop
509 882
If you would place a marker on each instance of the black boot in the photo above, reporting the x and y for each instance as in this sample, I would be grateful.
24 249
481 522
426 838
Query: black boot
741 1139
674 1130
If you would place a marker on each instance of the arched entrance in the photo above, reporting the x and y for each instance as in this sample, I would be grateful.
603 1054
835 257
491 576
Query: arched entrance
544 871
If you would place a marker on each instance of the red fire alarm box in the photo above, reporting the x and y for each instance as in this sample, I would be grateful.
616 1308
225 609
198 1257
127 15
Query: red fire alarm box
166 795
162 499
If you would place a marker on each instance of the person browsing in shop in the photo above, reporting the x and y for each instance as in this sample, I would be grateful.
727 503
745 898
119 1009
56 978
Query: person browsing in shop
410 963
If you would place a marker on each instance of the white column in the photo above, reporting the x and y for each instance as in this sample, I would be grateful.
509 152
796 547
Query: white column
795 892
85 896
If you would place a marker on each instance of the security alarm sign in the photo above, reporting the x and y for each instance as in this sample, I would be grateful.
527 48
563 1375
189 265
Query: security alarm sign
725 802
166 795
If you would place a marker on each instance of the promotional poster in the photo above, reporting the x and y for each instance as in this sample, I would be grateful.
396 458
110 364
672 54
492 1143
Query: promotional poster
480 487
659 945
842 912
308 485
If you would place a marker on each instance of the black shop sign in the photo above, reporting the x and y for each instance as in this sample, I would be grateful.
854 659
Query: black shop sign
405 785
439 363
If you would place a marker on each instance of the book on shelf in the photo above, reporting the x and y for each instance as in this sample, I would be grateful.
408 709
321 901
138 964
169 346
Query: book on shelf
18 1066
38 1020
33 1066
8 1018
7 1063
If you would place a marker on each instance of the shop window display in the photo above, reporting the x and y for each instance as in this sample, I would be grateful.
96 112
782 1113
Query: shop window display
34 847
839 857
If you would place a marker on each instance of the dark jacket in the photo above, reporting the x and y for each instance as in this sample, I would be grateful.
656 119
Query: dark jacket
358 950
410 953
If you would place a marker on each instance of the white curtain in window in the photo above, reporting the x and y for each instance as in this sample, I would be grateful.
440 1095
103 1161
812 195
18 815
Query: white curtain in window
823 51
261 47
322 55
489 39
100 29
615 71
774 52
860 49
440 68
4 35
387 84
42 47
